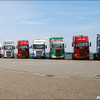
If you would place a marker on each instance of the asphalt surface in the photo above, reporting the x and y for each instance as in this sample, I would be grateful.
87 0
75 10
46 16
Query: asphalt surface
66 68
16 85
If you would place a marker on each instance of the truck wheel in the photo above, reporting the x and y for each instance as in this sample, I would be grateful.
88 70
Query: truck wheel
50 57
73 57
63 58
88 58
94 56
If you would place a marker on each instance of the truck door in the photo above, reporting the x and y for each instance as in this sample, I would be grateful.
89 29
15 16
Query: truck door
99 46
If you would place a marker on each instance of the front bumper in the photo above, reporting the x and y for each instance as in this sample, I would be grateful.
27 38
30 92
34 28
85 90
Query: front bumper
20 56
81 57
52 56
38 57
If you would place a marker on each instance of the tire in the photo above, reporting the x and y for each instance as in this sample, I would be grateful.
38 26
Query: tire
87 58
63 58
50 56
94 56
73 57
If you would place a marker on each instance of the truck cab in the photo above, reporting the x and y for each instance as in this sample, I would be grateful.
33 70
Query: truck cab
23 49
57 47
8 49
81 47
97 55
39 47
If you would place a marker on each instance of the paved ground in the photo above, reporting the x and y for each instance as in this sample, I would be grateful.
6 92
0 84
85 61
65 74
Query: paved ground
68 68
49 79
21 85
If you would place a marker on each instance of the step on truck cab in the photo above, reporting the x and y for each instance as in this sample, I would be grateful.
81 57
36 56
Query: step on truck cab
8 49
57 48
80 46
23 49
39 48
0 50
97 55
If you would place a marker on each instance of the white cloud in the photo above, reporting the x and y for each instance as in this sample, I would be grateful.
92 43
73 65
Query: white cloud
79 12
33 23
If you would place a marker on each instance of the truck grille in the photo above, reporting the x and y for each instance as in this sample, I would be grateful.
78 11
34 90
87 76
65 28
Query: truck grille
38 52
82 53
58 51
23 53
8 53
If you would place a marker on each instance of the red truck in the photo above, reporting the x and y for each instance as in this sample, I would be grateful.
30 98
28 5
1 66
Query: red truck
23 49
81 47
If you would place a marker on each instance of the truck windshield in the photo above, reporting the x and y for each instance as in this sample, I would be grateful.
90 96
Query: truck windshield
39 46
23 47
8 47
82 44
57 45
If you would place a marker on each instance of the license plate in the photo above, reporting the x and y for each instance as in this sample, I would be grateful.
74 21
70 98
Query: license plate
81 57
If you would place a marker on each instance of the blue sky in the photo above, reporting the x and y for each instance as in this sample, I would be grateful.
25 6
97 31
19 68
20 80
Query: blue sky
32 19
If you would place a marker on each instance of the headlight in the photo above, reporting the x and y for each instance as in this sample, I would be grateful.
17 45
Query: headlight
75 54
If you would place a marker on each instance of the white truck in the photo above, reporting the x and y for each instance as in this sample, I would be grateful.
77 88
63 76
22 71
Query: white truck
39 47
8 49
97 55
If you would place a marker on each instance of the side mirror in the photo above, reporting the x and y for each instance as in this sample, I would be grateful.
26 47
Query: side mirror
72 44
17 47
45 46
65 45
14 47
31 46
90 44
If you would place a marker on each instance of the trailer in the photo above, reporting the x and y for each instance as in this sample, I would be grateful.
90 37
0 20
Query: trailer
23 49
97 55
8 49
81 46
57 47
39 48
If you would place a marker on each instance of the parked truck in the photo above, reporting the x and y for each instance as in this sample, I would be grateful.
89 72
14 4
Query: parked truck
57 47
0 50
8 49
39 48
23 49
97 55
81 47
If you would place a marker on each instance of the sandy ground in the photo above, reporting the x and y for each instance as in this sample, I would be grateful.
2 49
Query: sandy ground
21 85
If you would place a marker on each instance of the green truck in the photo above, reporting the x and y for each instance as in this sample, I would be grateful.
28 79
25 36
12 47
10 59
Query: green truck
57 48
